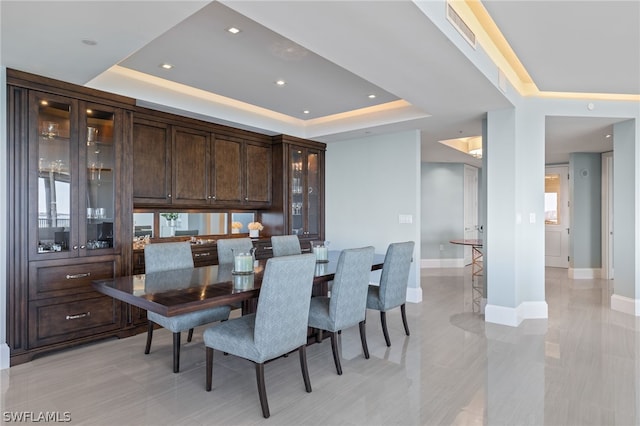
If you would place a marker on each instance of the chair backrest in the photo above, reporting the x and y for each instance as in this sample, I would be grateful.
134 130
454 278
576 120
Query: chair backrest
226 247
348 302
395 274
167 256
285 245
282 313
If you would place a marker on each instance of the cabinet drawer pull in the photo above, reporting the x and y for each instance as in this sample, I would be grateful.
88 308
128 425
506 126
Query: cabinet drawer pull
202 254
73 277
78 316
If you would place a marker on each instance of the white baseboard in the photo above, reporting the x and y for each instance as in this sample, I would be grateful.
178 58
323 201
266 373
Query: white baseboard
441 263
514 316
4 356
414 295
626 305
584 273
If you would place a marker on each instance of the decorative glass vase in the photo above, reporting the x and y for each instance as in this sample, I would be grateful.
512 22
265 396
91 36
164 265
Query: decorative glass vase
254 233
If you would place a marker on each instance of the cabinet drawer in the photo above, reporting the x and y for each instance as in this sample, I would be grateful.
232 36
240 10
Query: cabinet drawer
263 249
53 321
204 257
64 280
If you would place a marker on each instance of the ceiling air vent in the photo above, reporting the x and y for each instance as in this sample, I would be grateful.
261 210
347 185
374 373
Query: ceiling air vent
460 25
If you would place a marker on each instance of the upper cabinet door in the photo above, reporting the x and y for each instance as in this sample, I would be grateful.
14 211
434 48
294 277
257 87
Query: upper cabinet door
53 177
306 188
258 174
191 167
98 146
228 170
151 163
314 191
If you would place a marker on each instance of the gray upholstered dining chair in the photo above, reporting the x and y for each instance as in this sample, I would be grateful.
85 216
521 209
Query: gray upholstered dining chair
285 245
227 245
347 305
278 326
392 291
164 257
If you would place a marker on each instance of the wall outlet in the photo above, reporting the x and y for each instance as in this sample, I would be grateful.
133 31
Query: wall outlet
441 247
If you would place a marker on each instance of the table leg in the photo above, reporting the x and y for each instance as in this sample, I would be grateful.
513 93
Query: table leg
477 271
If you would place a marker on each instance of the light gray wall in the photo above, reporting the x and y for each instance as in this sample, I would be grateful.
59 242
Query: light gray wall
585 190
442 206
369 183
625 209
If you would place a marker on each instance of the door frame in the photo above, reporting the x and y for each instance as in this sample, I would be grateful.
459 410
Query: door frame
565 219
607 216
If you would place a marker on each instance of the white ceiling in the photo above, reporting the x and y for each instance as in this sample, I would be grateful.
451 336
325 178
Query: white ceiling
332 54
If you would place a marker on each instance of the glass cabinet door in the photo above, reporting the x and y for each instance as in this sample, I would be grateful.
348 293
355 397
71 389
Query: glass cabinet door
304 192
97 142
72 166
313 194
51 130
296 194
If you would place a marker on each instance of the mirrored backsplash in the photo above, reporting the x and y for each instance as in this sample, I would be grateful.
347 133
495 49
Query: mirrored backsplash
163 224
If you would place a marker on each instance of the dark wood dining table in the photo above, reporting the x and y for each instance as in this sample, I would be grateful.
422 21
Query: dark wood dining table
181 291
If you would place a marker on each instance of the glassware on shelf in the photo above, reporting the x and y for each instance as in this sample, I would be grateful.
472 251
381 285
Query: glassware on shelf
49 129
92 135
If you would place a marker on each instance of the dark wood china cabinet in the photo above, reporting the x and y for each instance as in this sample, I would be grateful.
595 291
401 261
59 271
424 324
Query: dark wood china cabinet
66 212
298 194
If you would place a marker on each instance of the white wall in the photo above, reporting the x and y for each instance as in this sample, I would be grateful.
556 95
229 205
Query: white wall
442 220
369 183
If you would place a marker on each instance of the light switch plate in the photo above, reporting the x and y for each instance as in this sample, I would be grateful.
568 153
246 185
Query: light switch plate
405 218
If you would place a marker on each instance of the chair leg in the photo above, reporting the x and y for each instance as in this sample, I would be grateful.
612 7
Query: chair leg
190 335
383 320
262 391
302 350
336 356
363 338
404 319
147 349
209 372
176 352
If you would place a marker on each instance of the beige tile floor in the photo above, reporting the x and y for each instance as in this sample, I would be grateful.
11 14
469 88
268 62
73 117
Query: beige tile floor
579 367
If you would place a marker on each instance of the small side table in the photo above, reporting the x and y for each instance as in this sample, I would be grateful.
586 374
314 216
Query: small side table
477 271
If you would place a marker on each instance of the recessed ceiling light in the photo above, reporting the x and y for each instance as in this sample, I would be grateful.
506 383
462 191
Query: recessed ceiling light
89 42
372 96
43 102
166 66
607 136
233 30
89 111
281 82
306 111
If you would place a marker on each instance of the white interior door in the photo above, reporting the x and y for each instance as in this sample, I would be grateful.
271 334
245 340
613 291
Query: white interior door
470 208
556 216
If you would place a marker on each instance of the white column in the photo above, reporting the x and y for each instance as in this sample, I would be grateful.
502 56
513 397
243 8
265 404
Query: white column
514 235
626 221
